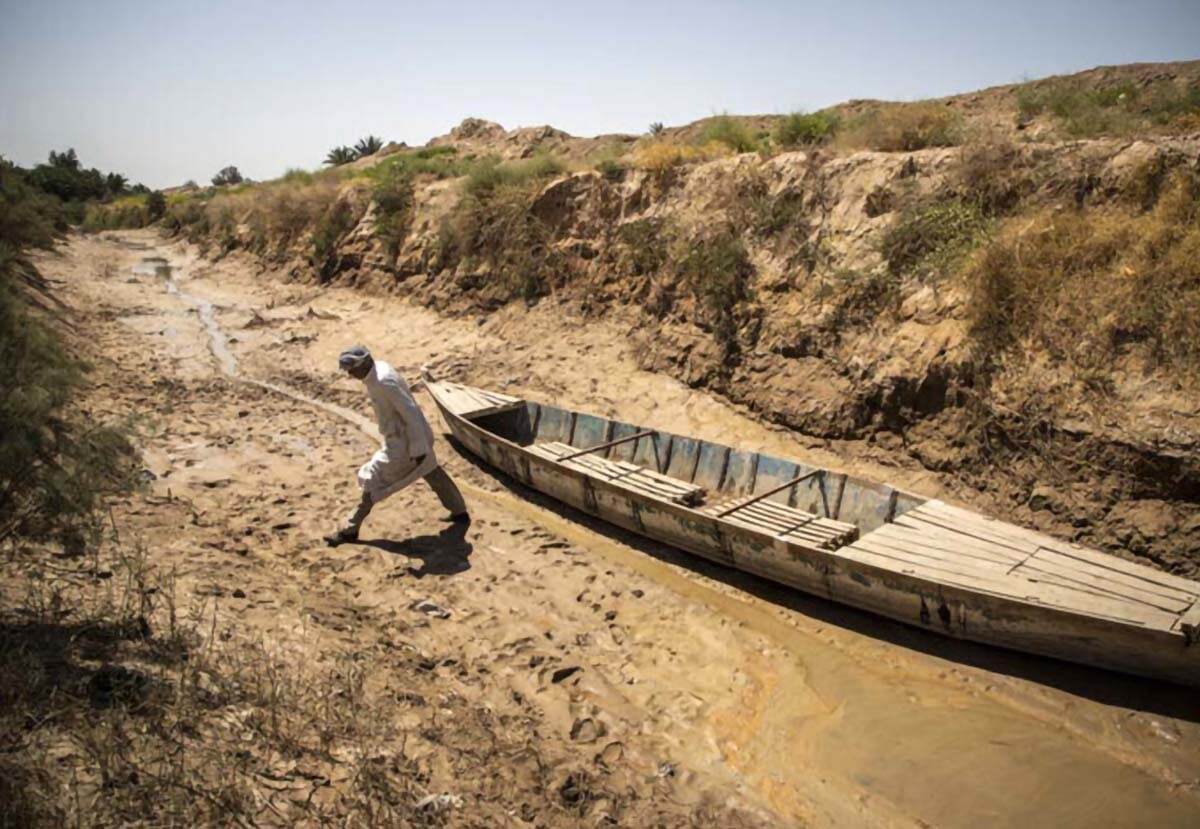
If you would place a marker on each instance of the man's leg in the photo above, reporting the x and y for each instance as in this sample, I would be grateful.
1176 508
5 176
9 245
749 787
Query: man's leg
349 530
447 492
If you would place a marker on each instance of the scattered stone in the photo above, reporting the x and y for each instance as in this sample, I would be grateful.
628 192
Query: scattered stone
430 609
608 758
439 802
586 730
564 673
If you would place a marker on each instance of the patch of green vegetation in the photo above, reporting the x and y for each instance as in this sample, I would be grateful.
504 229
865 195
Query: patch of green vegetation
337 220
729 131
489 174
1085 110
294 175
493 225
1089 285
802 129
438 162
903 128
57 465
929 239
393 195
644 246
611 169
717 270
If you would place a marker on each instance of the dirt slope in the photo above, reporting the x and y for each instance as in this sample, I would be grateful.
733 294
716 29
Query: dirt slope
841 292
544 669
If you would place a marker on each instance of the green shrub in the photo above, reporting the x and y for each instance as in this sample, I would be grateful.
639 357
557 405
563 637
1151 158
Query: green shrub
28 217
156 205
439 162
718 270
337 220
804 129
644 246
1081 287
294 175
930 238
56 464
1119 109
227 175
726 130
494 226
393 195
611 169
489 174
433 152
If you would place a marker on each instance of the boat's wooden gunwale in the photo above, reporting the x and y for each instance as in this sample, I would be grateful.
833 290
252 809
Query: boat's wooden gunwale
959 605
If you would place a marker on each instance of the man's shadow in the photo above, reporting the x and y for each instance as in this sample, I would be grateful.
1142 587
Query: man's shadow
445 554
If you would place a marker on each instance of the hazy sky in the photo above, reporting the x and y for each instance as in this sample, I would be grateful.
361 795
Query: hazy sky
166 91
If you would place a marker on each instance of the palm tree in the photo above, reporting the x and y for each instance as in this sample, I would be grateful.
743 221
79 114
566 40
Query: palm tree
340 155
368 146
116 183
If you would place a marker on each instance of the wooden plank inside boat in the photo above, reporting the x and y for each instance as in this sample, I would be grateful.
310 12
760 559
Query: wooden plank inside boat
943 543
469 402
631 476
784 522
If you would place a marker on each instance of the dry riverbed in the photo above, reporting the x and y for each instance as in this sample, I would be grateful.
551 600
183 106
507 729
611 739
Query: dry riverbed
541 668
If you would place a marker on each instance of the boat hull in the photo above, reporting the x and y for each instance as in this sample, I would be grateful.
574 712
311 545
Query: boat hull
947 609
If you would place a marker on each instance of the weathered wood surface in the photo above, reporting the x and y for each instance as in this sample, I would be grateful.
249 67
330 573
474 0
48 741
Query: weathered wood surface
625 474
934 566
949 545
784 522
469 402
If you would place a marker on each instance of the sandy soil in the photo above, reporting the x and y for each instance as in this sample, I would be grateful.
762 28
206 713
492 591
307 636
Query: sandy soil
676 678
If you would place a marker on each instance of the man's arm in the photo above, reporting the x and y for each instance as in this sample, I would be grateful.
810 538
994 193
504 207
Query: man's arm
412 417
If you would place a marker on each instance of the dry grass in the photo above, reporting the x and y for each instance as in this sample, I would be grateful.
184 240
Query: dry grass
123 704
268 218
660 155
492 230
1088 286
929 240
902 128
1083 111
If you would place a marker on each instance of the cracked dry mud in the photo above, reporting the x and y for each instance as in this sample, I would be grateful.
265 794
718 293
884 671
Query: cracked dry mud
677 681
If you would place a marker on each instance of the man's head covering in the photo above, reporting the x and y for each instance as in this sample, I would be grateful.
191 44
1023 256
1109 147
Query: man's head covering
354 357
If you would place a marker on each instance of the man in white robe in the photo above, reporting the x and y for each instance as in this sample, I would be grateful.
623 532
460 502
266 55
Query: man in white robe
407 452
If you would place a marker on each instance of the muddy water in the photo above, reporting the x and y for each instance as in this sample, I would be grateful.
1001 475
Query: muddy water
831 725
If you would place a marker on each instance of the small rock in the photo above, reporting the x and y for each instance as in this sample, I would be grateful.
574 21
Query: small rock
586 730
439 802
564 673
430 609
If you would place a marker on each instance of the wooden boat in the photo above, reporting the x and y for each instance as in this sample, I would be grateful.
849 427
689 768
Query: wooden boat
869 545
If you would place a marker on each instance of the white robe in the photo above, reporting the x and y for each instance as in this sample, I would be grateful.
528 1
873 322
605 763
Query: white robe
407 452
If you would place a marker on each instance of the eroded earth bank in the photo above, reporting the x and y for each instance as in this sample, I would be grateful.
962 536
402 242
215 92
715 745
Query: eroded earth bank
539 668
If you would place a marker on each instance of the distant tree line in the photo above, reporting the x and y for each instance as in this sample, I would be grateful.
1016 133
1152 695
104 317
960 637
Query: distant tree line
63 177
